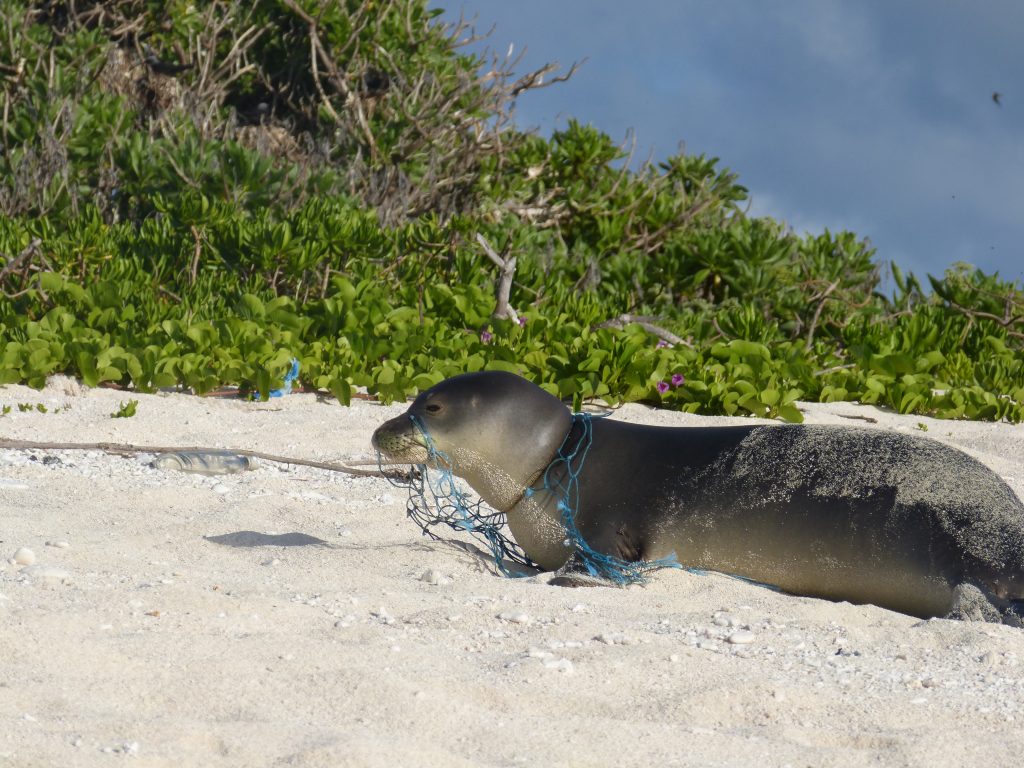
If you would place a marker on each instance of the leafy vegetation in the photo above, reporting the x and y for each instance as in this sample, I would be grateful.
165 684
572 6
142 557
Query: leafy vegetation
195 193
125 410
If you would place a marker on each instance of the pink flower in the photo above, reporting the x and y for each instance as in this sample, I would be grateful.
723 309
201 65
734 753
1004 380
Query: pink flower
485 337
678 379
662 344
522 322
662 387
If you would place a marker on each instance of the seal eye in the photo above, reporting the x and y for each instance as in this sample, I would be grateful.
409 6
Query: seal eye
433 408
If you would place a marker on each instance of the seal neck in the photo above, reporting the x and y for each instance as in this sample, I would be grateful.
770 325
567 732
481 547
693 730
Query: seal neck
550 476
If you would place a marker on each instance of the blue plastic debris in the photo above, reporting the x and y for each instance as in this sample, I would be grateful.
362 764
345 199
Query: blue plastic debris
286 388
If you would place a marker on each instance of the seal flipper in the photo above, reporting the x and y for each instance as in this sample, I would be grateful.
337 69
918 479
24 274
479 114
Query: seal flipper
574 573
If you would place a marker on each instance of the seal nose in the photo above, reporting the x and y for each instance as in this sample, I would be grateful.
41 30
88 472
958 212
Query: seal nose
383 436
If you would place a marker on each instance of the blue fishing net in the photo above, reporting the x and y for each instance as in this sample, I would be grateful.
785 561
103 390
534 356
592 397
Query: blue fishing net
436 499
562 478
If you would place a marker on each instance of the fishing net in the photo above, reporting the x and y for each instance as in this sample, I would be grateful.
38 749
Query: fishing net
436 499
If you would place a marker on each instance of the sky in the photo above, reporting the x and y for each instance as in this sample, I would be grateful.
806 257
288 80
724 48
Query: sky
875 116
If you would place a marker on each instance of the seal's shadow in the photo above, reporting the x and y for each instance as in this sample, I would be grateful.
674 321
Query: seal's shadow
255 539
485 560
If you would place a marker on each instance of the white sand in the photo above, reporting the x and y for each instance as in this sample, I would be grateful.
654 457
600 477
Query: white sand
143 640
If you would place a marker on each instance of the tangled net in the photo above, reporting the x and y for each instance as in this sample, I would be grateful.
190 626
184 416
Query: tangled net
436 499
450 506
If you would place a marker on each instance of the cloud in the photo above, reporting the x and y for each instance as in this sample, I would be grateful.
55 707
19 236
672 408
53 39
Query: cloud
874 116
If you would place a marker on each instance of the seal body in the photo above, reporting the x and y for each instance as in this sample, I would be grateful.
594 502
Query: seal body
845 513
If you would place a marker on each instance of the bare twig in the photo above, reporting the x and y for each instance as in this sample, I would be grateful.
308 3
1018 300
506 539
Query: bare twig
817 313
196 253
648 325
20 260
534 80
507 270
835 368
1006 321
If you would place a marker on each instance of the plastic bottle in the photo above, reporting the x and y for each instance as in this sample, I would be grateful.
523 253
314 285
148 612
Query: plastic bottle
205 462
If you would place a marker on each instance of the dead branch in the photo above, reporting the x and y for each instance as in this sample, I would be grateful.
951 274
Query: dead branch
507 269
532 81
647 323
196 253
817 313
20 260
130 449
835 368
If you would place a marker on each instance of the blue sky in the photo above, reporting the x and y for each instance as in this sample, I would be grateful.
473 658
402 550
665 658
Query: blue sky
869 115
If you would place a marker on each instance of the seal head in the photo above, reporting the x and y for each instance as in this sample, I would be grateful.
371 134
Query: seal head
497 430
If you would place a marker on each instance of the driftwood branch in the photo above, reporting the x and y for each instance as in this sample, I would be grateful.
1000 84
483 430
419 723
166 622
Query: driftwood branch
128 450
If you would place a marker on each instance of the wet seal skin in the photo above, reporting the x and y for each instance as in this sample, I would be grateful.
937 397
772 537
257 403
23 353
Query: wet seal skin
843 513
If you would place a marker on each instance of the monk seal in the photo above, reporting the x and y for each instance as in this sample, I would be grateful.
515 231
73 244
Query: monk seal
843 513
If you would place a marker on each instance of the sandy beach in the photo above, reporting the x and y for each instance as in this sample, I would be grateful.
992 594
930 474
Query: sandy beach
294 616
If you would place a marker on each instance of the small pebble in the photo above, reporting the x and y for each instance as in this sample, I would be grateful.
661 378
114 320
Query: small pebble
61 544
614 638
433 576
24 556
741 637
515 618
560 665
221 489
